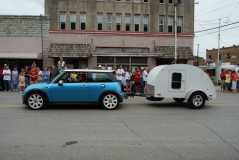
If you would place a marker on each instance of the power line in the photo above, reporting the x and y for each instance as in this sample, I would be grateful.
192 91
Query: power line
209 29
211 33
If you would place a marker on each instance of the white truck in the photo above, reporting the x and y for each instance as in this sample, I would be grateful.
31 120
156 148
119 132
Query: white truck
183 83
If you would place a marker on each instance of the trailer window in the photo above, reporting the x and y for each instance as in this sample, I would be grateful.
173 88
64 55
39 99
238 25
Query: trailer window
176 80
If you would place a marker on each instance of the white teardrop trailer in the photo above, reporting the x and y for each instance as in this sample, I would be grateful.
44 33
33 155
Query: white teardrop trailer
183 83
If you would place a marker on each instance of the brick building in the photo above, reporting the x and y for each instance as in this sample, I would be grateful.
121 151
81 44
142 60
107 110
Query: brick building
23 39
118 32
227 55
87 33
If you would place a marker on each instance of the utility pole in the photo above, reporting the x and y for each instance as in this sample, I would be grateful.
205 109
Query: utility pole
41 18
219 42
198 54
175 31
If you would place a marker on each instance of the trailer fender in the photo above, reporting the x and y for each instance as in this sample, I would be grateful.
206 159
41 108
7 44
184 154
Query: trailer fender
188 95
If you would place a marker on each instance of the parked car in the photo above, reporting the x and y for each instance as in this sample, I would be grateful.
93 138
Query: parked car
76 86
183 83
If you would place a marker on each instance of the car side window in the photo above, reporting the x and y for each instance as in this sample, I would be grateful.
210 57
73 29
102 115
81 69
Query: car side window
74 77
176 80
99 77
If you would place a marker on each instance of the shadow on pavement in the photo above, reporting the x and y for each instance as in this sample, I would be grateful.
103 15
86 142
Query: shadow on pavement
175 105
75 107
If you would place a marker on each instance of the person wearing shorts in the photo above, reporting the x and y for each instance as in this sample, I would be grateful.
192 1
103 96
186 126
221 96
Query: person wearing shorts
228 80
234 78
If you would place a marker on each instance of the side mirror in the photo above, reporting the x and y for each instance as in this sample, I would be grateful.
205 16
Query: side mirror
60 83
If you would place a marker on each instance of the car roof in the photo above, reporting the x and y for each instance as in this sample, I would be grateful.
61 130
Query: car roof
88 70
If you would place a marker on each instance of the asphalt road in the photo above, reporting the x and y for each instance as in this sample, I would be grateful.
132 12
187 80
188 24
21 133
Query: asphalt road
138 130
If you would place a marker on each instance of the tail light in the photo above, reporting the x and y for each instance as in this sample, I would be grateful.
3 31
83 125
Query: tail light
121 86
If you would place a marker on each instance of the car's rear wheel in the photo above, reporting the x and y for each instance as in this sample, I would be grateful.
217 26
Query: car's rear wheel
197 100
110 101
36 101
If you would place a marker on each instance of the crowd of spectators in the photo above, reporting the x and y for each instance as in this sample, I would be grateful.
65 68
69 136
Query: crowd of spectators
18 79
229 81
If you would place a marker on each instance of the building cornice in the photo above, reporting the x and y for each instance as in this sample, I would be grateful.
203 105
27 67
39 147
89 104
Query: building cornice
136 34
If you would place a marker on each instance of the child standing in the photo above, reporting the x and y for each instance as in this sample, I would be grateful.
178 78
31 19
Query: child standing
22 80
15 79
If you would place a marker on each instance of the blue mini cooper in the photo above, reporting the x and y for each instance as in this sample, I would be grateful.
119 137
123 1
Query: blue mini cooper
76 86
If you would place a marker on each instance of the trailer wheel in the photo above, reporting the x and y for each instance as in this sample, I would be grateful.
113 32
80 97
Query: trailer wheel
197 100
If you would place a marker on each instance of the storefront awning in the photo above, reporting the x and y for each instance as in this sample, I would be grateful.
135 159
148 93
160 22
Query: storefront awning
15 55
70 50
126 54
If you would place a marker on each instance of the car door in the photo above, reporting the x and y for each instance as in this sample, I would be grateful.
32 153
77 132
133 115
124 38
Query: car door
70 91
96 85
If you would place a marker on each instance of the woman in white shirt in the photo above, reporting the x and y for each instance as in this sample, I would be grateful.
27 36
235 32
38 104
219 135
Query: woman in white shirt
145 78
6 77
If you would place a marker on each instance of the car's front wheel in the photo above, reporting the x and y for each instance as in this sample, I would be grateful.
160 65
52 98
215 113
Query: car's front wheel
36 101
110 101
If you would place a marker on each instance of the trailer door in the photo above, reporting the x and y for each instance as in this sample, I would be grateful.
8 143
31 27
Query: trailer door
177 81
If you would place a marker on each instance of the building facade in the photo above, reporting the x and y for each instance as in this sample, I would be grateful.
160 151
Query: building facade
227 55
23 39
131 33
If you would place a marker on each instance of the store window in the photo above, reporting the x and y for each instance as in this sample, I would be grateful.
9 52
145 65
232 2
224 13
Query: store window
127 22
180 24
109 22
118 22
99 21
161 23
137 23
170 24
146 23
83 22
62 22
73 22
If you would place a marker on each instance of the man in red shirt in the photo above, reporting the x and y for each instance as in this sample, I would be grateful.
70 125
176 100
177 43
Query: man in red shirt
223 78
1 78
234 78
34 73
136 78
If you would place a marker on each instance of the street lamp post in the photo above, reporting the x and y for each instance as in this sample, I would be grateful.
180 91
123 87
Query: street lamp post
176 3
175 31
219 41
42 50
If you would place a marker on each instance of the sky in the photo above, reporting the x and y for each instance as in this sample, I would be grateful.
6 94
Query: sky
207 15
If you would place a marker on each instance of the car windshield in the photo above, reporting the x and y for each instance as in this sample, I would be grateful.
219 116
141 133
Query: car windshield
57 77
